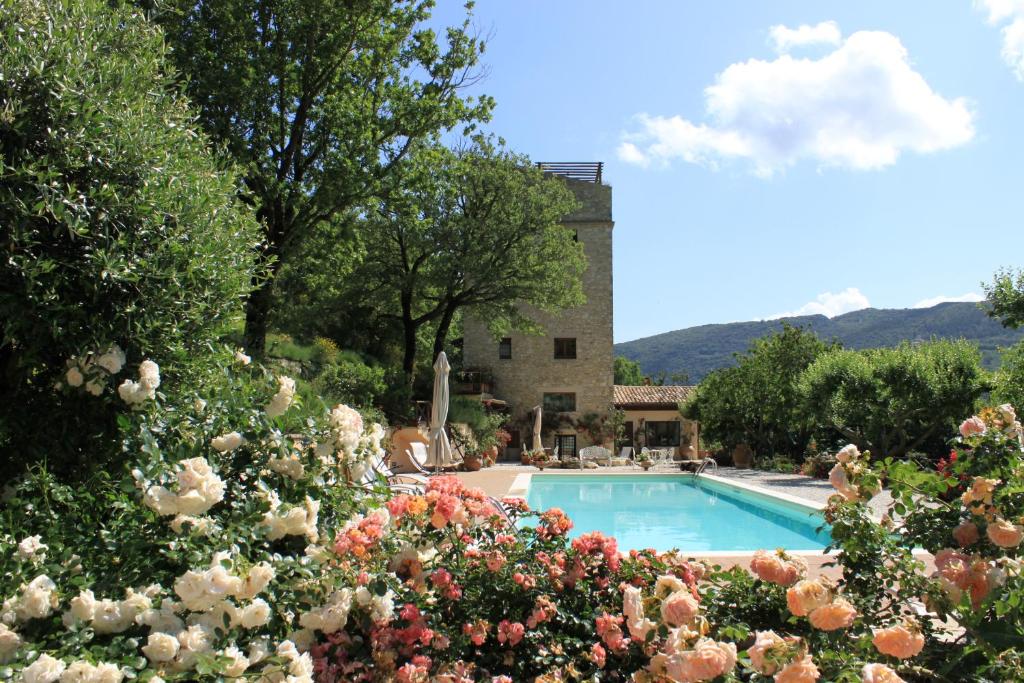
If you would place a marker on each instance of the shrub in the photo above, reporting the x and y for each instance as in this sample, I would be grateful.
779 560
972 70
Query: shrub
818 465
118 225
349 380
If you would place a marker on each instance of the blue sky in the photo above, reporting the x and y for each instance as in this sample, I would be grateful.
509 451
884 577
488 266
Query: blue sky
872 157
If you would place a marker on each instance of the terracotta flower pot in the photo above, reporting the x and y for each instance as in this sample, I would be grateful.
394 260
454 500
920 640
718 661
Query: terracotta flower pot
472 463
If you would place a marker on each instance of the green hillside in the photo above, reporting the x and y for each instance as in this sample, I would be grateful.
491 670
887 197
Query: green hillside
699 350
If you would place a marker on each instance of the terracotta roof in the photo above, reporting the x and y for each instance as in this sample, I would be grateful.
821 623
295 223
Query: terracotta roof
648 395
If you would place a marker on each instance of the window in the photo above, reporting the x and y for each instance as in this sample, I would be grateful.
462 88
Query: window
565 348
627 434
662 434
566 444
505 348
559 403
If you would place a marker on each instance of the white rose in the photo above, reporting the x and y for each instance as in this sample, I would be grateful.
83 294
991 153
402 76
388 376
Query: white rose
242 358
38 599
160 500
238 664
108 617
46 669
74 377
161 647
93 387
382 608
222 582
31 545
149 376
9 643
131 392
192 587
256 614
227 442
84 672
259 577
195 639
113 360
83 607
162 619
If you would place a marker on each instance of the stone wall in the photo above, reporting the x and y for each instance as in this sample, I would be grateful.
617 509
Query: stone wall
533 370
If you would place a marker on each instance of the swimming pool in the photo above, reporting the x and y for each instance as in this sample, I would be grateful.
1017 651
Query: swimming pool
673 511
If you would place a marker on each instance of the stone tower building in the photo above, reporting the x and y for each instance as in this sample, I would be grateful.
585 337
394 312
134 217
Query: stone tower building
569 369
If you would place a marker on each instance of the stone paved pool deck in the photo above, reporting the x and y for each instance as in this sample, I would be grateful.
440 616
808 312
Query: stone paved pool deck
499 479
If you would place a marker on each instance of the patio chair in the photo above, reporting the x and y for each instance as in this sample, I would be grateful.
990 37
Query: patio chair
595 454
626 453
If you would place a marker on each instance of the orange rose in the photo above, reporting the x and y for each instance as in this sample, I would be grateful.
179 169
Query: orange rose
965 534
764 642
706 661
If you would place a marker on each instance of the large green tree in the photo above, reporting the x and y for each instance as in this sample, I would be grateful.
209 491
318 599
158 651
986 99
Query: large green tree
1005 295
319 101
893 401
758 401
628 372
117 224
478 229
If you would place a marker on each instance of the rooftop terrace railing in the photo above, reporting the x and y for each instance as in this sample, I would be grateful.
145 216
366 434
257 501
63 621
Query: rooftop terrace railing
589 171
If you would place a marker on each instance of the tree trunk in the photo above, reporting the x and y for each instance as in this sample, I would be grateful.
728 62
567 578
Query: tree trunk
257 307
409 335
257 314
442 330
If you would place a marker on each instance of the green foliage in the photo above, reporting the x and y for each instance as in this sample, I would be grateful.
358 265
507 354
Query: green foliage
1008 380
893 401
699 350
118 226
627 372
758 401
319 100
351 381
1005 295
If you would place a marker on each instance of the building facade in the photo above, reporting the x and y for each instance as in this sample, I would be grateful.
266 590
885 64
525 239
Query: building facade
569 369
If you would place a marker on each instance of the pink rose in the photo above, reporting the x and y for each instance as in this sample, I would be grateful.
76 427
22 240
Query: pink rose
971 426
965 534
598 655
764 642
510 632
837 477
879 673
679 608
836 615
1005 534
898 641
798 671
808 595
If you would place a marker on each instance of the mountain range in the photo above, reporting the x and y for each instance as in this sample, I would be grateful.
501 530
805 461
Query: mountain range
696 351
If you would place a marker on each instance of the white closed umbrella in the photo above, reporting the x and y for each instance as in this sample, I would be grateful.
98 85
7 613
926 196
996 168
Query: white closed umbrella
537 445
440 454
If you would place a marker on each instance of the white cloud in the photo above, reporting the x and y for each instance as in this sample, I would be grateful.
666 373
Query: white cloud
783 39
859 106
941 299
830 305
1012 11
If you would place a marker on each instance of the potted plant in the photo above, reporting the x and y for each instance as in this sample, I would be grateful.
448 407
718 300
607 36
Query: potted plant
643 458
540 459
473 462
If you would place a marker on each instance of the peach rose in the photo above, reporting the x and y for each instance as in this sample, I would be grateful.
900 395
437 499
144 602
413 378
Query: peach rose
971 426
965 534
764 642
706 661
808 595
879 673
898 641
980 494
798 671
1005 534
778 568
849 452
679 608
833 616
837 477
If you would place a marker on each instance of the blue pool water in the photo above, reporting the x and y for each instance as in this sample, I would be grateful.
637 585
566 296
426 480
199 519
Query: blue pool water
672 511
